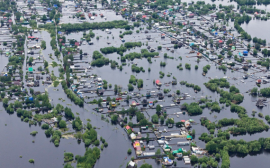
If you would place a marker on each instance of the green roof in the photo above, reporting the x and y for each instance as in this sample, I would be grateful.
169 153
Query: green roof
30 69
189 137
180 150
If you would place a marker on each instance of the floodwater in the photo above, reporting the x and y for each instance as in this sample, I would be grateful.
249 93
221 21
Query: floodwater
257 28
16 139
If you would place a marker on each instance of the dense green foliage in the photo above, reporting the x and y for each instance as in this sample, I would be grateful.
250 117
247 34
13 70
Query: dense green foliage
99 60
193 108
77 124
71 95
89 159
265 92
96 25
68 157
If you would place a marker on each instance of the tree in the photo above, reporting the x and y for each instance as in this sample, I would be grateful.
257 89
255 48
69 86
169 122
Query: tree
155 118
248 47
45 126
158 109
255 52
171 156
130 87
169 121
265 52
44 18
77 124
162 119
115 89
68 166
229 53
62 124
255 39
158 152
68 113
129 151
5 102
204 165
45 64
217 156
114 118
254 91
193 159
179 124
43 44
143 122
211 147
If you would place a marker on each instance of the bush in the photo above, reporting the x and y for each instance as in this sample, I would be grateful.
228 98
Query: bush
187 66
68 156
34 133
45 126
96 143
31 160
129 151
